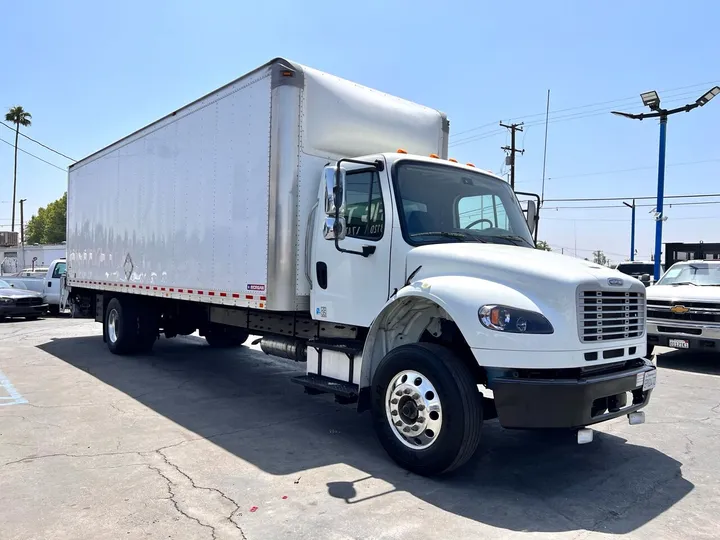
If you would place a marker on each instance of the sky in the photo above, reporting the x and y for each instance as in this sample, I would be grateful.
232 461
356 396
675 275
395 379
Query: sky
92 72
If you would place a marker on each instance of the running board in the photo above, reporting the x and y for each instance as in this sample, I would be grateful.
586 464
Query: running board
345 392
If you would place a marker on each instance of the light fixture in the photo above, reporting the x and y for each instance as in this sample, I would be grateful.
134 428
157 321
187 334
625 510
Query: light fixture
651 99
707 96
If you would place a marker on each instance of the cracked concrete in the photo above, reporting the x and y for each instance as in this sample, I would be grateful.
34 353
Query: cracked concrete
190 443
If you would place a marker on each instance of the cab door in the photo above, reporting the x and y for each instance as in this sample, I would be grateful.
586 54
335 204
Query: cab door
350 288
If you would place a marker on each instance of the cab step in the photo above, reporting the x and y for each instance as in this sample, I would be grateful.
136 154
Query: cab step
345 392
352 347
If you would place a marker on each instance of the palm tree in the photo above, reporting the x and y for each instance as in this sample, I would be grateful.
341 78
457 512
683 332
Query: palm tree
20 117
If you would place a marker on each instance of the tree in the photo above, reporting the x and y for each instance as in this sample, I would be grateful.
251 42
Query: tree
49 225
543 245
20 117
600 258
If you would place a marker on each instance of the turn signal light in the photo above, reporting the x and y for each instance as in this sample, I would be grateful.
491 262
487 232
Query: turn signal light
401 151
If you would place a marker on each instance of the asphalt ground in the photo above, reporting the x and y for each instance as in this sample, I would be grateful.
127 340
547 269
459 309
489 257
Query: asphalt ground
195 443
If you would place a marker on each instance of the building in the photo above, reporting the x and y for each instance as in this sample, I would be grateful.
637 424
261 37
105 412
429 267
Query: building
681 251
14 259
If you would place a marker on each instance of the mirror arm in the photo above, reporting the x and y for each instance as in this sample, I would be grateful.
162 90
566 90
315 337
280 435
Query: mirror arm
537 210
378 166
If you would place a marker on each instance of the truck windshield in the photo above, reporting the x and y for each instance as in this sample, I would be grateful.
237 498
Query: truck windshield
637 269
701 274
440 203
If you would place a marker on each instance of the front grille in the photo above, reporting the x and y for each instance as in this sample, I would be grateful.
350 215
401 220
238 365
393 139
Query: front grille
608 315
22 302
694 311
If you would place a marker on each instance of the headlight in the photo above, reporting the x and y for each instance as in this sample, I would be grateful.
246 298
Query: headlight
6 301
513 320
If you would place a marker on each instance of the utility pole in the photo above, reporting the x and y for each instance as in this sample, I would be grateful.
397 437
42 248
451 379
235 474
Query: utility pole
22 223
632 229
512 150
22 231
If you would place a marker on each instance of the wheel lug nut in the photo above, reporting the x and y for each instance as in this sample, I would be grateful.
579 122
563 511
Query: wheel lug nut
420 419
421 407
398 423
394 413
398 393
394 401
415 428
416 396
407 391
406 430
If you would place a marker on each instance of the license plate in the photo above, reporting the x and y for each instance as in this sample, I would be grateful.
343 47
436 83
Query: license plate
679 343
650 380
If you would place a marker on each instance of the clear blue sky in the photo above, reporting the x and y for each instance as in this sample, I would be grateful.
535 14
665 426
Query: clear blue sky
91 73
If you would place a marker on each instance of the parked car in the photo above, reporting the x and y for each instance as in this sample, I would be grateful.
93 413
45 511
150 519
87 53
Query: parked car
641 270
17 302
683 307
49 284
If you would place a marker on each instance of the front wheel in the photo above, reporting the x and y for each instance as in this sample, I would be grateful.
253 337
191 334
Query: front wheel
650 350
426 408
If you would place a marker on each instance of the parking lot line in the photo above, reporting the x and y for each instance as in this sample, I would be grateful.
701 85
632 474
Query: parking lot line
13 396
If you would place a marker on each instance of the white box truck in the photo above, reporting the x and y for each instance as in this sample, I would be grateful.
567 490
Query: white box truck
327 218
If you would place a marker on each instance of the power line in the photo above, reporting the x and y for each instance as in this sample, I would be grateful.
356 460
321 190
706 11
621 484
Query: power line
577 107
561 118
622 207
41 144
33 155
647 197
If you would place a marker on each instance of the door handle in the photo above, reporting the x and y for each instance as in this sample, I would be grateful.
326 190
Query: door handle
49 284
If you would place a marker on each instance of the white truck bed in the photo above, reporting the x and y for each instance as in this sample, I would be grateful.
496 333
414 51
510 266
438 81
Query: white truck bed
211 202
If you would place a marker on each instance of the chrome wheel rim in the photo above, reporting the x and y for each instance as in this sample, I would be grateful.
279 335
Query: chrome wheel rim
113 326
414 409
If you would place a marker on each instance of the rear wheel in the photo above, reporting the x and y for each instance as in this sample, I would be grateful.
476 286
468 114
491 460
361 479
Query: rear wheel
121 326
426 408
225 337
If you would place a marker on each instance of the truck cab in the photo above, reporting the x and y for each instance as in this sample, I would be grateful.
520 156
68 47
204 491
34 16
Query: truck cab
437 261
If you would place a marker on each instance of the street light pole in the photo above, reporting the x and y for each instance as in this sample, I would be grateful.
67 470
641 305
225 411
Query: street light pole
652 100
660 196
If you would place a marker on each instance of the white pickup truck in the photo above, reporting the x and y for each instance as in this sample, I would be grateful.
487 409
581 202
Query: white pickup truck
684 307
50 285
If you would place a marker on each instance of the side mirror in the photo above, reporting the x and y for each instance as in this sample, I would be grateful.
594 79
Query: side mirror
334 228
532 216
334 191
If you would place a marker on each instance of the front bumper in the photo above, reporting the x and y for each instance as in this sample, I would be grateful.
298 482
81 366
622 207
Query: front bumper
9 310
699 335
533 403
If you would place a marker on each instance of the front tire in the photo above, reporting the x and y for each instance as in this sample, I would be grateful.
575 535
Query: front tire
650 350
426 408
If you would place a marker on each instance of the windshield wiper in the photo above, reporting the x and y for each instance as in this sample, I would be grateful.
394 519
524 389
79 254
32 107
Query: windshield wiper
511 238
684 283
445 234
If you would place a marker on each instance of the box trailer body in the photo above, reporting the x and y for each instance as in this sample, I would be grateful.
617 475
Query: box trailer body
211 202
327 218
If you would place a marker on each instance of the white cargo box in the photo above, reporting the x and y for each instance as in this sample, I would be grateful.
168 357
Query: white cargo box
211 203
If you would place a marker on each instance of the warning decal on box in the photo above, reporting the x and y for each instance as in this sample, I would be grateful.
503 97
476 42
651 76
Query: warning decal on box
254 287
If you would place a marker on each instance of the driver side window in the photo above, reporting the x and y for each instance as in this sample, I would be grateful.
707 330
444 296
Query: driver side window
364 208
481 212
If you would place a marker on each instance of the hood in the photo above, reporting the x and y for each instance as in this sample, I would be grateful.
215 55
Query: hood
18 293
680 293
511 264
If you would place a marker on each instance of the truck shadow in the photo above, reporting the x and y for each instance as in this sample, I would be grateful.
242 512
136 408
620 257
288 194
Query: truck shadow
690 361
521 481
